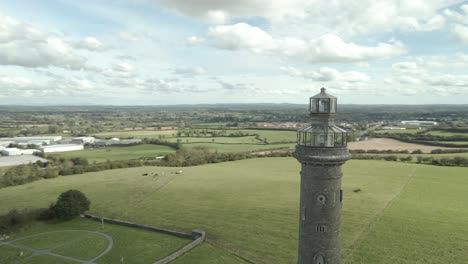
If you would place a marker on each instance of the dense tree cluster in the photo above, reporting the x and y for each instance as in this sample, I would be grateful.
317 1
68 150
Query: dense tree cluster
445 161
16 220
69 205
27 173
175 145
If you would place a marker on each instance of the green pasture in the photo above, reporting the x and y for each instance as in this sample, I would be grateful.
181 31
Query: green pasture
454 142
443 155
73 239
398 131
273 136
210 140
447 134
137 134
404 213
117 153
238 147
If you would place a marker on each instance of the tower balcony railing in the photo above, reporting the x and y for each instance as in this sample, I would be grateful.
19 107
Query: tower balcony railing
322 136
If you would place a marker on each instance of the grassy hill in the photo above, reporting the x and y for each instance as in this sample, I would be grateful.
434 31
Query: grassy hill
117 153
405 213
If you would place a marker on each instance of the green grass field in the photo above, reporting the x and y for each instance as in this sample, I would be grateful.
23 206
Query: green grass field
238 147
118 153
444 155
77 239
209 140
446 133
136 134
406 213
454 142
273 136
399 131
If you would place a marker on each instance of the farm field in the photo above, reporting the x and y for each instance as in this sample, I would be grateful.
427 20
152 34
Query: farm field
273 136
405 213
454 142
210 140
447 134
136 134
85 240
398 131
387 143
444 155
117 153
238 147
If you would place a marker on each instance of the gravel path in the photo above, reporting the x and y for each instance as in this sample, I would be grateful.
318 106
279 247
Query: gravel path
38 252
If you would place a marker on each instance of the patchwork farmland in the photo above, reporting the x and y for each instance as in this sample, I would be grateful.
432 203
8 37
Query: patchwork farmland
249 208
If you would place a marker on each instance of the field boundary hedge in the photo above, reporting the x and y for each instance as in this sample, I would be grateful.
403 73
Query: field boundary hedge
198 236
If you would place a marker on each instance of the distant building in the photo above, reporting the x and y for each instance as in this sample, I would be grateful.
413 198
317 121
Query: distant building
61 148
278 124
5 144
34 142
116 142
83 140
23 139
16 151
8 161
419 123
392 128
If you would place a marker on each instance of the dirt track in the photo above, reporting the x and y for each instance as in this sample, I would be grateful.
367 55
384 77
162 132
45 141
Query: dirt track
386 143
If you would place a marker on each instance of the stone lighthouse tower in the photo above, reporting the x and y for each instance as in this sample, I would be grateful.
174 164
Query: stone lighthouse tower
321 150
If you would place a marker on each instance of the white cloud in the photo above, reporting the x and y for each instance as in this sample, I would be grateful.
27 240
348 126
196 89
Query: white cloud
242 36
216 16
91 44
189 70
419 72
460 32
465 9
15 82
220 11
326 74
118 70
457 17
327 48
237 87
343 16
23 45
193 40
135 36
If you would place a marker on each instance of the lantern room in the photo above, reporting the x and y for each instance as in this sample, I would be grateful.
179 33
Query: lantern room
328 136
323 103
322 131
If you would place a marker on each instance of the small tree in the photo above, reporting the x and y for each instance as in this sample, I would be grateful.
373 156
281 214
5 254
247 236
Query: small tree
70 204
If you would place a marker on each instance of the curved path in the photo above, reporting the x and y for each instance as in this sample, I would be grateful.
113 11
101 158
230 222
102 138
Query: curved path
38 252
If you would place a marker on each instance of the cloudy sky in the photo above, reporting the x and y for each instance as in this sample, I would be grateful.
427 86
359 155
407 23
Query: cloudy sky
154 52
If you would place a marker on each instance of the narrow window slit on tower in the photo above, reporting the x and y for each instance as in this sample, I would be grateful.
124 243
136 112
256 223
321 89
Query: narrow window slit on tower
320 229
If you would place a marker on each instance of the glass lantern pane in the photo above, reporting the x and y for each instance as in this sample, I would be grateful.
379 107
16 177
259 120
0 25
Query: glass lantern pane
324 105
321 140
313 105
338 139
333 106
330 140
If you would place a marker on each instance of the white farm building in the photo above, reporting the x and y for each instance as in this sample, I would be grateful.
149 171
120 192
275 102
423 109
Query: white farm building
17 152
61 148
419 123
83 140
